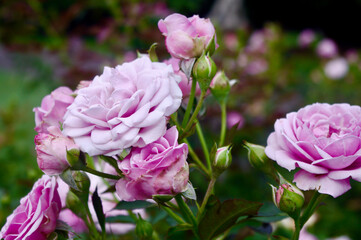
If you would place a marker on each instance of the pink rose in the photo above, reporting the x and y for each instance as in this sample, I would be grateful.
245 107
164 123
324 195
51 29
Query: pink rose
125 106
51 151
324 141
52 109
158 168
336 68
35 218
306 37
184 84
327 48
186 37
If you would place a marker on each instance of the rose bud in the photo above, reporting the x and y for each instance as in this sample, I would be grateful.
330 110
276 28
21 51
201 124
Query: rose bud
143 229
222 160
51 149
82 181
288 198
203 71
188 37
75 205
220 86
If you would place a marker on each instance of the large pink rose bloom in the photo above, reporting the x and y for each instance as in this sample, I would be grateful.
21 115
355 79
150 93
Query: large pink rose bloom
186 37
158 168
126 106
35 218
52 109
51 149
324 141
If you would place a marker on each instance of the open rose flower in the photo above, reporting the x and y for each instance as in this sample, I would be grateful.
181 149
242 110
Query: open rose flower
324 141
52 109
125 106
186 37
158 168
51 149
35 218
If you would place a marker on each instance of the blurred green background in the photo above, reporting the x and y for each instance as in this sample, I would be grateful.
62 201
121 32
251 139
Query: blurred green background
45 44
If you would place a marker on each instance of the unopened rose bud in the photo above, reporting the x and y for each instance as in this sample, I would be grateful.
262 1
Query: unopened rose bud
75 205
143 229
220 86
222 160
82 181
259 160
204 70
288 198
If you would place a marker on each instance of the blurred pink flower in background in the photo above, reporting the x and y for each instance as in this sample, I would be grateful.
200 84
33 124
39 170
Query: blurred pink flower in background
324 141
234 118
306 37
36 216
336 68
257 42
160 168
351 55
51 149
327 48
125 106
52 109
231 41
256 66
187 37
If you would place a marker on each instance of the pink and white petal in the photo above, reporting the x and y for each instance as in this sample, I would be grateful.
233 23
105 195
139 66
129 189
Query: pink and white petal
340 162
321 183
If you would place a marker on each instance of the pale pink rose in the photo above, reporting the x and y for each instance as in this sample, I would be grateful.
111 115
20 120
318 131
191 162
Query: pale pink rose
257 66
234 118
51 149
184 84
52 109
324 142
158 168
327 48
257 42
186 37
306 37
35 218
109 201
126 106
336 68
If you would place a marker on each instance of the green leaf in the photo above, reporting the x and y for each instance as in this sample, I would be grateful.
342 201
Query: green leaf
120 219
179 228
152 54
98 207
190 193
67 177
123 205
221 216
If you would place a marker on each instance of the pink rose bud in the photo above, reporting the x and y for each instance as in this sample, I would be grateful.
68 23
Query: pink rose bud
51 149
160 168
323 142
336 68
126 106
288 198
235 118
327 48
187 37
220 86
203 71
36 216
222 160
52 109
306 37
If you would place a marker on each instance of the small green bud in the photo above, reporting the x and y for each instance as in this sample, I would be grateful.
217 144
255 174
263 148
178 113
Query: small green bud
143 229
75 205
220 86
203 71
222 160
288 198
259 160
82 182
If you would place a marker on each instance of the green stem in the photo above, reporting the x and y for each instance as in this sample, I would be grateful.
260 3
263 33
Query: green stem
298 228
190 103
194 115
196 158
311 207
132 215
92 227
204 146
206 197
100 174
187 214
224 122
173 214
